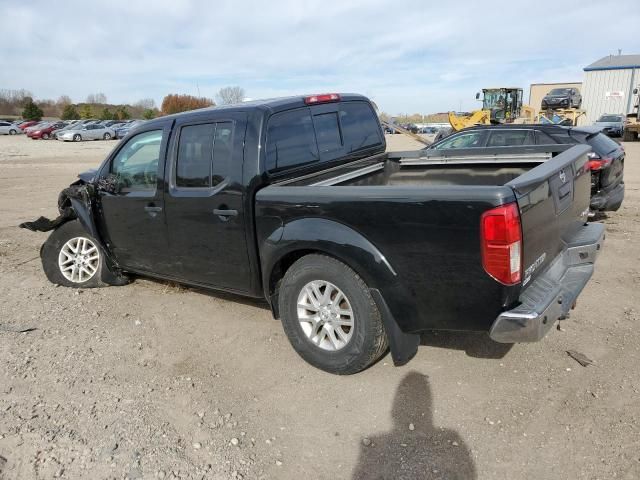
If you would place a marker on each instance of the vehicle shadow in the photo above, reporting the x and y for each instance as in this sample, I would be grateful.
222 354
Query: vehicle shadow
474 344
424 452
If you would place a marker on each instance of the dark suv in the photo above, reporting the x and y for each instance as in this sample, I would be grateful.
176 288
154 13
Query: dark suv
562 98
606 158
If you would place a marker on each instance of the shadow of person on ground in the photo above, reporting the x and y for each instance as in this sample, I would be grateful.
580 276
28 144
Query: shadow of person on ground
426 452
474 344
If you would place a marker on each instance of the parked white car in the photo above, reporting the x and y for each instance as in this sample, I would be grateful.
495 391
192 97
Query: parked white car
7 128
86 132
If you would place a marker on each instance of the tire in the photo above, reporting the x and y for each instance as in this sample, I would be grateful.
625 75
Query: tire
55 255
77 137
45 136
106 136
366 341
13 132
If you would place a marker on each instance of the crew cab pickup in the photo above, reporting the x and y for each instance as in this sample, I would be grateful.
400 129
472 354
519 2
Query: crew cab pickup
296 201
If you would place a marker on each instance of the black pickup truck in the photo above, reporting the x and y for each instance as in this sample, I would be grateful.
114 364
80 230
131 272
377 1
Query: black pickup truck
296 201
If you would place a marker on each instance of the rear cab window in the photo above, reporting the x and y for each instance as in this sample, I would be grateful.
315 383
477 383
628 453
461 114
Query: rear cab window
319 134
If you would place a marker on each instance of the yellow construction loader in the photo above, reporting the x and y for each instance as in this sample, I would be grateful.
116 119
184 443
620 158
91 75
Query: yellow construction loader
499 105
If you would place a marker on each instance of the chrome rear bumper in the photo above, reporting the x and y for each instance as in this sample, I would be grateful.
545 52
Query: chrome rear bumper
552 294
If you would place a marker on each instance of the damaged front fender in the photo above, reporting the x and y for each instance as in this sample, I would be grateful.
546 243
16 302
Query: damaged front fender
73 202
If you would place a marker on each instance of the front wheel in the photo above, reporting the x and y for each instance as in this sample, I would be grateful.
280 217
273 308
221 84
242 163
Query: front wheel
77 137
45 136
72 258
329 315
13 132
107 136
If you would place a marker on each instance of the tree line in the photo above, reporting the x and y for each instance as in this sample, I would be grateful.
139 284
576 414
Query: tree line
22 103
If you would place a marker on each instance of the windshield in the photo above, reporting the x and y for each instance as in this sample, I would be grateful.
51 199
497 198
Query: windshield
610 118
559 91
493 99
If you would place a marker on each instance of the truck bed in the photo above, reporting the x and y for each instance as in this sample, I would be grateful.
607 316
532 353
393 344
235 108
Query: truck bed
424 214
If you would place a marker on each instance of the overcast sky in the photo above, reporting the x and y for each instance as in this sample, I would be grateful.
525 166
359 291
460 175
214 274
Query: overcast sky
409 56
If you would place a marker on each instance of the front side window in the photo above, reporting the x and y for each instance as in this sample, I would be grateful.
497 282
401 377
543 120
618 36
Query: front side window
136 164
464 140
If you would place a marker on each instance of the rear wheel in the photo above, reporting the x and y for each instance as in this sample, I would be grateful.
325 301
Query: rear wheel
329 315
107 136
77 137
45 136
13 132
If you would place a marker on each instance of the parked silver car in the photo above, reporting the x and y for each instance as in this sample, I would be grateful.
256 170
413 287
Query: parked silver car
7 128
86 132
612 124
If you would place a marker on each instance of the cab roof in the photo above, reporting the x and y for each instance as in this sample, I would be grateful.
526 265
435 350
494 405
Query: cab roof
269 105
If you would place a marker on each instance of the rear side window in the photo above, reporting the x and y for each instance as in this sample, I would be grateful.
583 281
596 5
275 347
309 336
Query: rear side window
195 152
602 144
544 139
507 138
359 126
291 140
563 137
204 155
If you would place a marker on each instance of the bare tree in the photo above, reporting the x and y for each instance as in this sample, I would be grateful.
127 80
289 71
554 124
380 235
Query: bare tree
100 98
146 104
229 95
64 100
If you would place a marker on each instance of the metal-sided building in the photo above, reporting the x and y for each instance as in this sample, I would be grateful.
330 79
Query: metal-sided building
608 85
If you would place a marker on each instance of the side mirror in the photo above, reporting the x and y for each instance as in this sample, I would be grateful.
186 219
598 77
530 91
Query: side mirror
635 91
110 184
478 96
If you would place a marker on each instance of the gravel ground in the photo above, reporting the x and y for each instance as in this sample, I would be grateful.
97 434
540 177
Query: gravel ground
152 380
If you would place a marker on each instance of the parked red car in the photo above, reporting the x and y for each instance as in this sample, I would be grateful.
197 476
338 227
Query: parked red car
45 132
28 124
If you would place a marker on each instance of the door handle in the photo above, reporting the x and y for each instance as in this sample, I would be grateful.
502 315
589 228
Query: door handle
152 210
225 214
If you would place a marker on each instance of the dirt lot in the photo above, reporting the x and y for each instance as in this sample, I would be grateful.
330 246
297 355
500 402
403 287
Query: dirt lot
156 381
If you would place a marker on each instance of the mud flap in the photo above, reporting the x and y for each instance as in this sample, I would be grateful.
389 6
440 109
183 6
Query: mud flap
403 346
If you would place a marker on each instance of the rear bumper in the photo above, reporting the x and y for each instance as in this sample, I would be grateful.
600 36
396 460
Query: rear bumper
552 294
608 200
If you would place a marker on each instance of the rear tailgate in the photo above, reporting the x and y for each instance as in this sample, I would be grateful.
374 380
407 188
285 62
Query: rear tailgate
554 203
558 248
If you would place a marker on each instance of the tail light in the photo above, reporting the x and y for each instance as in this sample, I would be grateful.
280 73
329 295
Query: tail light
322 98
598 163
501 238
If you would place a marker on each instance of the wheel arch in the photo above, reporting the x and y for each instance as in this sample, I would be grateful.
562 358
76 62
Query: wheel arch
325 237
